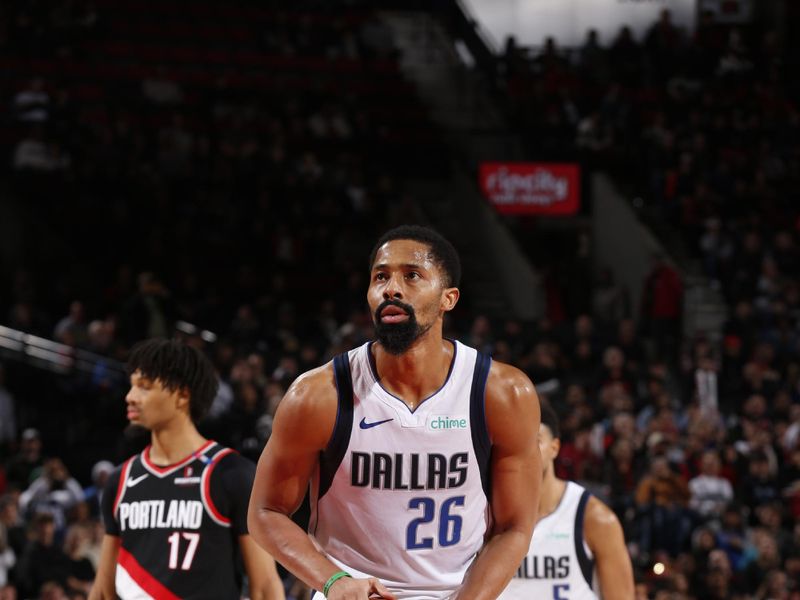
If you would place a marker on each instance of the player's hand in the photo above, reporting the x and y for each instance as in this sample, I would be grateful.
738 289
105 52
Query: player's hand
348 588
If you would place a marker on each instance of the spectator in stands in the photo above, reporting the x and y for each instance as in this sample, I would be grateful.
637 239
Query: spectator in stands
664 43
621 472
12 525
54 492
662 497
80 570
43 560
93 494
24 466
71 329
625 57
760 486
610 301
161 89
8 557
51 590
176 149
8 419
35 153
710 493
150 313
32 103
662 306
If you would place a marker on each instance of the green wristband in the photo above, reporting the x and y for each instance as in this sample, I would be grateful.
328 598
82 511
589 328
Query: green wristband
334 578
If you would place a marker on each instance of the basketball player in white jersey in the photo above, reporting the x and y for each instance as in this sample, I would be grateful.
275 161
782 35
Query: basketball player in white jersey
421 453
578 549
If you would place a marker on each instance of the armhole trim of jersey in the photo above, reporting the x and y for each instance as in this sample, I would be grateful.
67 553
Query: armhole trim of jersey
123 483
332 456
481 441
586 563
205 489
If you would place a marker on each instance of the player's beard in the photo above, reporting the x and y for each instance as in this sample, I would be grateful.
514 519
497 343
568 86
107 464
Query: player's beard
396 338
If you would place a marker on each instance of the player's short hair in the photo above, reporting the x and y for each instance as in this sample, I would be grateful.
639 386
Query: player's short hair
444 254
550 420
177 366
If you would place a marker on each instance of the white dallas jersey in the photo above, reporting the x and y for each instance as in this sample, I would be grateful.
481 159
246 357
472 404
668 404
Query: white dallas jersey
559 564
401 495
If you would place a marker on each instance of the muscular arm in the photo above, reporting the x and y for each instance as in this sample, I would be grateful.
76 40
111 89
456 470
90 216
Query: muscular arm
512 414
104 587
265 584
603 534
302 427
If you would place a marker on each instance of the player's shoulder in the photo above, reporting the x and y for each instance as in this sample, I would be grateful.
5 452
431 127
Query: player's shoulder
508 384
598 510
599 519
312 388
118 472
307 413
229 459
512 407
229 471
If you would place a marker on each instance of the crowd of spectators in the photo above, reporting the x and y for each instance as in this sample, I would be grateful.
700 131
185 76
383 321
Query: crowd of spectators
699 456
249 211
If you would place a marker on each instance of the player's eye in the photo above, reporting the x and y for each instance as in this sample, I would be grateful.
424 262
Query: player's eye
380 276
413 275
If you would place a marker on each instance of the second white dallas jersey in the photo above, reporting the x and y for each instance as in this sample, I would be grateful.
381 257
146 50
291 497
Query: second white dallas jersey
401 495
559 564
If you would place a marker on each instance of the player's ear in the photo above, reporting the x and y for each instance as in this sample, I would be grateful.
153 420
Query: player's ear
450 298
556 446
183 400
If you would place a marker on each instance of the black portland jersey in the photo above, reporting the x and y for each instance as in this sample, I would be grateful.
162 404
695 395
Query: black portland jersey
179 525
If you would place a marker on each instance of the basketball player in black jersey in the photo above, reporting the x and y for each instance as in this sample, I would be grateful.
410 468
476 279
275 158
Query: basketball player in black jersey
176 514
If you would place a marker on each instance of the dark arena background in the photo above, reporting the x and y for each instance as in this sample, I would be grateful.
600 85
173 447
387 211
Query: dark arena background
625 204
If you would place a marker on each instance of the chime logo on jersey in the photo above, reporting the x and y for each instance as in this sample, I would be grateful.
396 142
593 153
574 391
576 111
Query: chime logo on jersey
445 423
156 514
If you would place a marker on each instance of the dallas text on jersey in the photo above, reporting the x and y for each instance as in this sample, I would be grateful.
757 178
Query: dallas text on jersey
427 472
544 567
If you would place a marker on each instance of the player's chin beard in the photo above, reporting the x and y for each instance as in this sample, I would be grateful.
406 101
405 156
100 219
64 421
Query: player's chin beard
396 338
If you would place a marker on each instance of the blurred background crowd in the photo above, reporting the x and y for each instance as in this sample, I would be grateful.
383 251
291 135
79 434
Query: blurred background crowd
220 173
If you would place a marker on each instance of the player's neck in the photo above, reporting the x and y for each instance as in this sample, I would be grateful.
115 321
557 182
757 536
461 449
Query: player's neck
417 373
551 493
174 442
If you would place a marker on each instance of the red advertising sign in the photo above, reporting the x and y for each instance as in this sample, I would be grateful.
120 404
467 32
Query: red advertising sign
532 188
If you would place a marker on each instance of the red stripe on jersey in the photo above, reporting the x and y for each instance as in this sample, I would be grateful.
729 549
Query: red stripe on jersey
170 468
207 487
123 478
145 580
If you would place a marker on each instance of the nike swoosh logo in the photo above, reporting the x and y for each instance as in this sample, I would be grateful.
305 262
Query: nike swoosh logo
365 425
138 480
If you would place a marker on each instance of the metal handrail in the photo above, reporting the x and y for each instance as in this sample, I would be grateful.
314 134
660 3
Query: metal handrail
53 355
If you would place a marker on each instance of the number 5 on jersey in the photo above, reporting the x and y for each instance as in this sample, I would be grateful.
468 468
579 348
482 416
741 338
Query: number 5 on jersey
449 525
174 547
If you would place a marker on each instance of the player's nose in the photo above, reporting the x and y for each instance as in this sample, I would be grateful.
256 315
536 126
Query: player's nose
393 289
